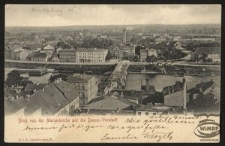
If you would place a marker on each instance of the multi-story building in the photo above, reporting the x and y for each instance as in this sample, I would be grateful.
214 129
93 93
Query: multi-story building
67 55
122 51
20 54
213 53
143 55
39 57
152 52
92 55
86 85
56 99
48 49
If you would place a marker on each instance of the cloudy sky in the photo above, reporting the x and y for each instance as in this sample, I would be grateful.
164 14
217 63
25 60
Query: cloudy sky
64 15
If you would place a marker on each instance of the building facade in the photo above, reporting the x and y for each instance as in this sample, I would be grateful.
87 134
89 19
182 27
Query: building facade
152 52
39 57
214 53
143 55
92 55
86 85
48 49
67 55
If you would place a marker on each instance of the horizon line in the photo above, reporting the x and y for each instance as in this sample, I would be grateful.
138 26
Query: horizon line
119 25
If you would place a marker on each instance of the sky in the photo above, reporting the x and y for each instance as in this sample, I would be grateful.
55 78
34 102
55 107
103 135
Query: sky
68 15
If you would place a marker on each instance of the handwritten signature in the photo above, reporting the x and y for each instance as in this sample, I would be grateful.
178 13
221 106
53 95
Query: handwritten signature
54 10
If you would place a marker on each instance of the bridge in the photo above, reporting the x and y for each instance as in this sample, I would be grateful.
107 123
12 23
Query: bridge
117 79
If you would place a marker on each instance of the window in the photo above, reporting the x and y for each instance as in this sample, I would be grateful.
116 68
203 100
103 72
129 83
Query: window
146 113
154 113
139 113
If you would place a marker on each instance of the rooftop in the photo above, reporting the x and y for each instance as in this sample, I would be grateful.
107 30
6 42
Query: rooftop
30 87
48 47
203 85
208 50
67 50
38 54
90 50
79 78
109 103
52 98
14 106
174 88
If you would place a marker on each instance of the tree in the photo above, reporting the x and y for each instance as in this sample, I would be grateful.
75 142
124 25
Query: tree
151 58
134 40
109 56
13 78
191 46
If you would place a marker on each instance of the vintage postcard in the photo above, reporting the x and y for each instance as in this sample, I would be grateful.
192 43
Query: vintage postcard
112 73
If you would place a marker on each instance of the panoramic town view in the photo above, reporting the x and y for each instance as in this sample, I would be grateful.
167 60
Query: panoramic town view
97 64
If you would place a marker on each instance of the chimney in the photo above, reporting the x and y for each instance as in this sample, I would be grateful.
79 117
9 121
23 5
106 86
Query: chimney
147 84
121 95
185 94
124 36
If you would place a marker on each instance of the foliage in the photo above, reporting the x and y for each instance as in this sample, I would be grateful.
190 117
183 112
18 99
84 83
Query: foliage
152 58
13 78
62 45
109 56
90 42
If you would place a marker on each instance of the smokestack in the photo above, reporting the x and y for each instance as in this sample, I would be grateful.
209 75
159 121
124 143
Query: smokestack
147 84
121 94
185 94
124 36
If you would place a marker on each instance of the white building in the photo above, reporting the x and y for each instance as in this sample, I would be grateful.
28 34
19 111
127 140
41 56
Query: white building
92 55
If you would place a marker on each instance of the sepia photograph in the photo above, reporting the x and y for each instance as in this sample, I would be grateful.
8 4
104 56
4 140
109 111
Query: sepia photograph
112 72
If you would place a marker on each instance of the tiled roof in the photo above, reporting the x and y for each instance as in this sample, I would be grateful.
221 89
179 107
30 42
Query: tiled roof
67 50
54 97
90 50
132 94
12 107
30 87
109 103
203 85
79 78
175 88
48 47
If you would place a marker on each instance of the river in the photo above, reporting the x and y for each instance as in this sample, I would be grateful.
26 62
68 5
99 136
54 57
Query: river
134 81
